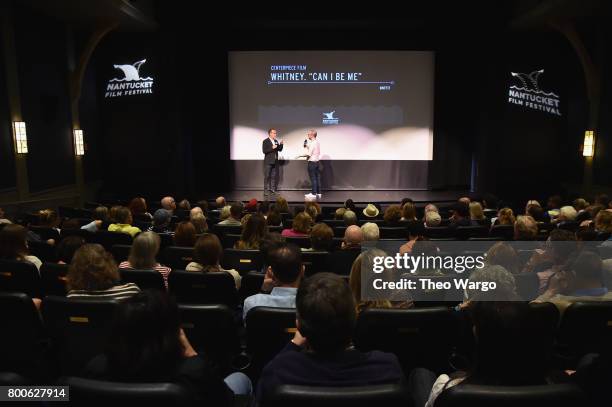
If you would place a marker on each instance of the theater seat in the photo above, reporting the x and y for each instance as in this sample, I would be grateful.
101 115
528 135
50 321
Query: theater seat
241 260
20 276
43 250
585 327
45 233
303 242
53 278
12 379
192 287
177 257
314 262
78 328
439 232
251 284
392 232
505 232
340 261
121 252
144 279
465 232
86 392
108 239
385 395
527 285
557 395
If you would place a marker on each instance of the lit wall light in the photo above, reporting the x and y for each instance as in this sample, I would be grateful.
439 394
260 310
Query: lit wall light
588 149
21 137
79 148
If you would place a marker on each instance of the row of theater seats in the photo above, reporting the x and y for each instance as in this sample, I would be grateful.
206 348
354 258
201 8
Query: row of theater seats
73 331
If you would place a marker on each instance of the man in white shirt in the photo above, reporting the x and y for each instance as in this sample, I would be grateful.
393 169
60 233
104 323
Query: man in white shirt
313 151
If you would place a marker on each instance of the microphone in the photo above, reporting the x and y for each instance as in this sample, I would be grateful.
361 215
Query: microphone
306 143
276 141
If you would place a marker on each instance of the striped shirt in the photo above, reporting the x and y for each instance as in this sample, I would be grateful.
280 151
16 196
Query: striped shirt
116 292
163 270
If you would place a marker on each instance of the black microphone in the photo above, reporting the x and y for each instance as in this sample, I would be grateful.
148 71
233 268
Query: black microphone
276 141
306 143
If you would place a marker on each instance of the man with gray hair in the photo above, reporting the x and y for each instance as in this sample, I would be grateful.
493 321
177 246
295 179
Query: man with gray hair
349 217
168 203
370 231
312 151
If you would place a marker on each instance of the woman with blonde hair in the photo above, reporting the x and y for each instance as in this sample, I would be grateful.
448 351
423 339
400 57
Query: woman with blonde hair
143 255
198 220
254 230
408 212
476 211
505 216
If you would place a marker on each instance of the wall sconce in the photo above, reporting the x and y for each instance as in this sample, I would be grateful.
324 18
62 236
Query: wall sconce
21 137
79 147
588 149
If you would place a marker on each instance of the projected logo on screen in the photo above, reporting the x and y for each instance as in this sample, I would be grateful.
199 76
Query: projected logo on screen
130 83
530 95
328 118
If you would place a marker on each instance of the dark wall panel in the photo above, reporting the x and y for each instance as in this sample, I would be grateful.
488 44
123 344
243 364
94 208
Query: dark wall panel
7 160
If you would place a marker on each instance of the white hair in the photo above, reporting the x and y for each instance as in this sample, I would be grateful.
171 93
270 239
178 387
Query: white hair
432 219
568 213
370 231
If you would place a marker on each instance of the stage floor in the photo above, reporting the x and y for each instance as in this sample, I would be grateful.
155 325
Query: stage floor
358 196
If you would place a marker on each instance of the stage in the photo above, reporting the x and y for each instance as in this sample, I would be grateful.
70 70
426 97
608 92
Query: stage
420 197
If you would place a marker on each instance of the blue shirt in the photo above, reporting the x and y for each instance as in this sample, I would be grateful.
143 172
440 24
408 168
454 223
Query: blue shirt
279 297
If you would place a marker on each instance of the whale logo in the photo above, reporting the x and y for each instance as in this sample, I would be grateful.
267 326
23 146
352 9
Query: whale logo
328 118
131 83
330 115
529 80
131 72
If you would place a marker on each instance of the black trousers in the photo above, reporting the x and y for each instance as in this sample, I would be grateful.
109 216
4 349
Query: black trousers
270 178
315 177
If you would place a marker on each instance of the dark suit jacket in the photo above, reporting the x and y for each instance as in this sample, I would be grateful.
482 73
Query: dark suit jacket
270 154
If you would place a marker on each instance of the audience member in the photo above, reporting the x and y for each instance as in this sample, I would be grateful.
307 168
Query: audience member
14 245
207 255
392 215
525 228
3 219
476 213
353 236
371 231
321 237
460 215
339 214
503 254
409 212
198 220
168 203
432 219
301 226
253 232
161 222
100 222
185 234
138 208
505 216
235 214
123 222
274 218
67 247
370 211
184 205
281 205
349 218
143 255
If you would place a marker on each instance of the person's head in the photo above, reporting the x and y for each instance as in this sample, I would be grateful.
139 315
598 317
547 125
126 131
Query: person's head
263 208
603 200
353 236
405 201
92 269
339 214
557 243
530 204
588 269
236 211
254 230
285 264
567 213
554 202
144 344
161 218
504 280
2 213
184 205
325 312
349 217
302 222
185 234
112 214
198 220
272 133
362 267
502 254
464 199
460 210
430 208
13 243
251 205
274 218
203 205
101 213
525 228
536 212
476 211
208 250
370 211
505 216
603 221
138 206
268 243
225 212
432 219
312 134
313 209
349 204
489 201
48 218
123 216
281 205
168 204
409 211
195 210
371 232
321 237
580 204
220 202
143 251
67 247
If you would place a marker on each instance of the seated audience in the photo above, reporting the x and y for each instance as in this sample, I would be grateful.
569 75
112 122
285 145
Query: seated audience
349 218
314 210
281 205
537 213
184 205
580 204
235 214
371 231
489 203
67 247
274 218
503 254
370 211
554 256
465 200
220 203
416 231
432 219
251 206
283 275
198 220
392 215
138 207
123 222
408 212
143 255
320 353
49 218
147 345
603 200
353 237
185 234
477 215
14 245
460 215
321 237
350 205
525 228
300 227
207 255
505 216
93 274
263 208
603 221
253 232
566 214
168 203
225 212
161 222
100 222
339 213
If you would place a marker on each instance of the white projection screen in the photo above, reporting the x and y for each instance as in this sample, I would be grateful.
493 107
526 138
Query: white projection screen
364 105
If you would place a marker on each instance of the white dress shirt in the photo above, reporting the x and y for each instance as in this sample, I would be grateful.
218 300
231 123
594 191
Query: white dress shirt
313 150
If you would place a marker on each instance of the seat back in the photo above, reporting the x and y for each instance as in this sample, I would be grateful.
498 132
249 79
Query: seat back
108 239
121 252
586 327
177 257
558 395
43 250
192 287
268 330
20 276
439 232
506 232
78 328
300 241
87 392
53 278
250 284
144 279
387 395
393 232
527 285
211 331
419 337
241 260
45 233
465 232
314 262
341 261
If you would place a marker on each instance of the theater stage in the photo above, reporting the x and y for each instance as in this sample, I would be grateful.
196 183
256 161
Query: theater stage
358 196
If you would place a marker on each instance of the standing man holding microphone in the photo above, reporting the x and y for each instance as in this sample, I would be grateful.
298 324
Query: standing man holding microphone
312 153
270 147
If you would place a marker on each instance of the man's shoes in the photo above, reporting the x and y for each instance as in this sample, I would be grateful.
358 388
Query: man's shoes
310 196
319 196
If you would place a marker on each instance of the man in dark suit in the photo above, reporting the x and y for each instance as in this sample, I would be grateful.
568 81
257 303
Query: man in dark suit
270 147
